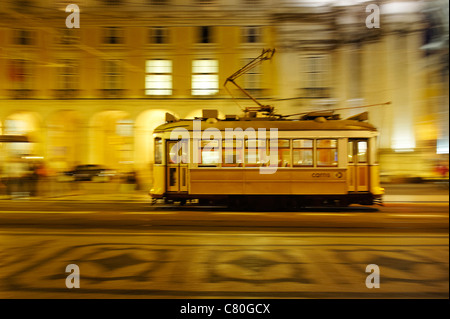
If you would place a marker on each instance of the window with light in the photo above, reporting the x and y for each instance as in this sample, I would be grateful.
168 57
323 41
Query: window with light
158 77
205 77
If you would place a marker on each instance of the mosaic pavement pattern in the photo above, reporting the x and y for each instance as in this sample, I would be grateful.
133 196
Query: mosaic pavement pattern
222 265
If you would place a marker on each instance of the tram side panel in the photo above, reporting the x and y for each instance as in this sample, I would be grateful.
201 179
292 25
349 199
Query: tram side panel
159 181
290 181
285 181
219 181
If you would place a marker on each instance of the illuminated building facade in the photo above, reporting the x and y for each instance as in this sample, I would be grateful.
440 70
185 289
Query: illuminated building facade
94 94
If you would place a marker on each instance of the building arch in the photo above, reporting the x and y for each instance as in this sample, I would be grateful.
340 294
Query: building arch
25 123
110 139
64 137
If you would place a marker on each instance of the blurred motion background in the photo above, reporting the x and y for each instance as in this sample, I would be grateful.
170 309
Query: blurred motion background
94 94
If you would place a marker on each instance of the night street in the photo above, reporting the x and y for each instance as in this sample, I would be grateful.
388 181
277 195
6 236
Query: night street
134 250
217 158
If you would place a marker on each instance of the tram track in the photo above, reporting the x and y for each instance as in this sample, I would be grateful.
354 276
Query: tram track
395 219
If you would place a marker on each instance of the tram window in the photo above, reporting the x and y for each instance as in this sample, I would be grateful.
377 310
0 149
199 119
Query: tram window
173 151
284 153
172 176
209 153
328 143
303 143
326 152
185 152
362 151
158 150
302 150
375 142
232 153
255 153
350 151
178 152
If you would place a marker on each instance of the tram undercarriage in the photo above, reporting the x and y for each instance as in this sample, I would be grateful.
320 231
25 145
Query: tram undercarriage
271 202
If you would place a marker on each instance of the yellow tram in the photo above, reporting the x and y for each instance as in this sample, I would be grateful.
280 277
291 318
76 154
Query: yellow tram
321 160
316 159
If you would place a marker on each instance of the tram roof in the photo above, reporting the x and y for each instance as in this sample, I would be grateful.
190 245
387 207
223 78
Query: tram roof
281 125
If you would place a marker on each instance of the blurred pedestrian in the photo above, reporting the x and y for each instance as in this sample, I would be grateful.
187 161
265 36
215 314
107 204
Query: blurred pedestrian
16 175
28 178
52 178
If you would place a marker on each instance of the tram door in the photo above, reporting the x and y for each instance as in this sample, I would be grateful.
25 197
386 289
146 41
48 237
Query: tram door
358 166
177 166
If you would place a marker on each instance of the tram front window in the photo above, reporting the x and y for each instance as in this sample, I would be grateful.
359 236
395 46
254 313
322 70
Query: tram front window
158 150
178 152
